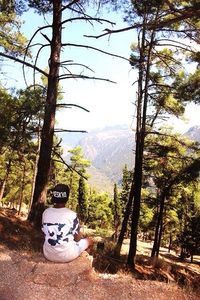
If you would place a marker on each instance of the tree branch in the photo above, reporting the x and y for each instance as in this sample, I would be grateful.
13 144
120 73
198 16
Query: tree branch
69 5
23 63
69 104
69 167
46 37
74 76
68 130
88 19
184 14
186 48
109 31
96 49
37 59
76 64
176 42
35 33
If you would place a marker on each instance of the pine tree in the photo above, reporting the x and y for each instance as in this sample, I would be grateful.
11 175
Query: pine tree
117 212
189 238
126 183
100 216
78 169
82 200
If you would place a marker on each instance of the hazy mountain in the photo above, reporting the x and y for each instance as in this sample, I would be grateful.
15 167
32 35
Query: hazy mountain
194 133
70 139
108 149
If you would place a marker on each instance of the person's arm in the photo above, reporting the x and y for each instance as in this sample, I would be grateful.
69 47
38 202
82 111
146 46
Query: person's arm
77 236
76 230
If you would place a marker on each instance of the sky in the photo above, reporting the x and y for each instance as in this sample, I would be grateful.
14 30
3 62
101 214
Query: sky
109 104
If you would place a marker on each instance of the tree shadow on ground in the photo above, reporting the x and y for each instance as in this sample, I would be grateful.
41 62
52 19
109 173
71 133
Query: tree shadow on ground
178 259
19 234
148 268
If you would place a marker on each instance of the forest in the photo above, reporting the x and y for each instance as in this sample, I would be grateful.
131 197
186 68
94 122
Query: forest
159 199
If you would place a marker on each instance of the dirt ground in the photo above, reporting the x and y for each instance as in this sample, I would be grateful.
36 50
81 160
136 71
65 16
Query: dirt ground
26 275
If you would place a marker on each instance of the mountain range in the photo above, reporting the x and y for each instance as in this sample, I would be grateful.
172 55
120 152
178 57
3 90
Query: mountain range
109 149
194 133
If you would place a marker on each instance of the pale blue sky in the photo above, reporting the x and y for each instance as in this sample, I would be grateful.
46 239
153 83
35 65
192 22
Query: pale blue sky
109 104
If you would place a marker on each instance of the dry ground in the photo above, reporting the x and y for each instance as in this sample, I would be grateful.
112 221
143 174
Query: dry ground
26 275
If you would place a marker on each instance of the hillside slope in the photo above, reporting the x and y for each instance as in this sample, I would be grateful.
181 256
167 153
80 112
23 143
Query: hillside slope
25 274
194 133
109 149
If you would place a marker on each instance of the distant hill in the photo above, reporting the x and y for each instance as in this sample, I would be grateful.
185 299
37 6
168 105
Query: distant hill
70 139
194 133
108 149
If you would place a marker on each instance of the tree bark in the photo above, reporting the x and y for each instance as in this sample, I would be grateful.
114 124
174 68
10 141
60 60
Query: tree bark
137 179
22 188
118 246
143 82
39 196
3 188
35 169
136 201
170 242
5 179
158 230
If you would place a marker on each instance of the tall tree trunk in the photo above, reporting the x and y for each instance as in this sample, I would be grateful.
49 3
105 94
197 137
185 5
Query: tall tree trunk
158 231
143 81
35 169
118 246
39 196
161 228
2 189
136 201
153 252
137 179
170 242
22 189
3 185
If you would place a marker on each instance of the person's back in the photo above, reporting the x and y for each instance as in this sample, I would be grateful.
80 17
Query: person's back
61 228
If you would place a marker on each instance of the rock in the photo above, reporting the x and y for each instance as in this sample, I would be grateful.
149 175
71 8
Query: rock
60 275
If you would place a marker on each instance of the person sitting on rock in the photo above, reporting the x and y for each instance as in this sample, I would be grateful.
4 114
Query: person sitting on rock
63 242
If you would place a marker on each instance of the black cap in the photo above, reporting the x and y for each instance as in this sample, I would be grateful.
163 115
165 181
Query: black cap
60 193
